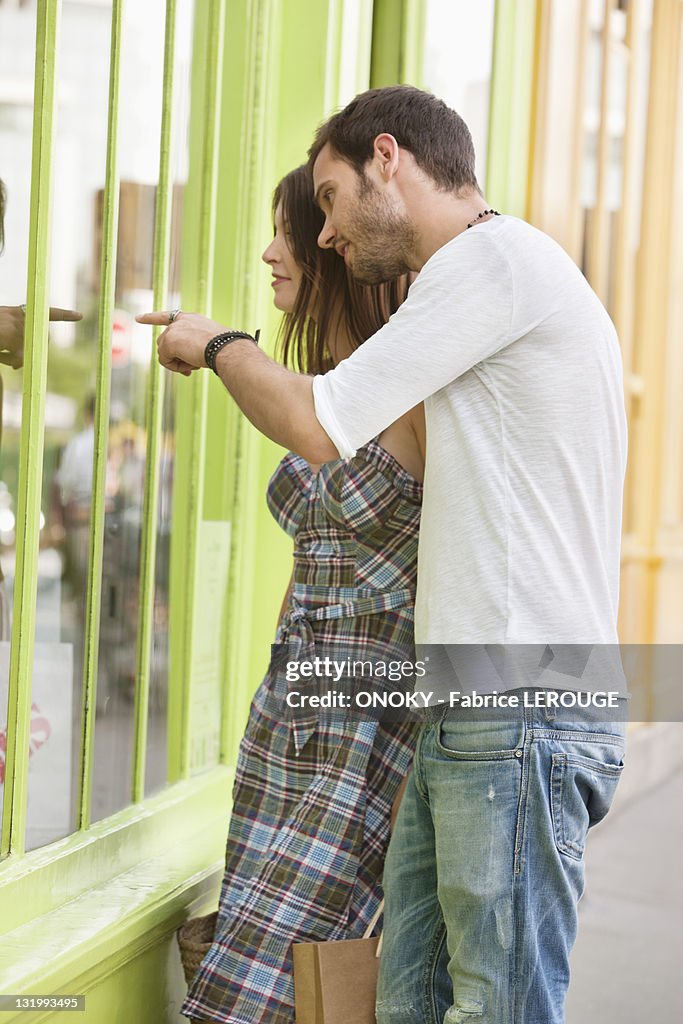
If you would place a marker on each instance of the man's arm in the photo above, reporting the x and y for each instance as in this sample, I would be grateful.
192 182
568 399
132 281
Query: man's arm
277 401
458 313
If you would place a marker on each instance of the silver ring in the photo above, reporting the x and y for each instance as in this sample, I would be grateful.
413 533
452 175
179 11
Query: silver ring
173 315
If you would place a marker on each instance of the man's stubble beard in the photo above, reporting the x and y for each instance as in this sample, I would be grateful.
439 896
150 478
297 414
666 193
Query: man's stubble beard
382 238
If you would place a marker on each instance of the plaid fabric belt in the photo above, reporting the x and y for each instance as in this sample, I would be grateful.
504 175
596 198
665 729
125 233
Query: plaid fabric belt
297 642
296 625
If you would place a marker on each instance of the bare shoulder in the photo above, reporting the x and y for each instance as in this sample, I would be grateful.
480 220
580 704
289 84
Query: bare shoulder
405 440
416 419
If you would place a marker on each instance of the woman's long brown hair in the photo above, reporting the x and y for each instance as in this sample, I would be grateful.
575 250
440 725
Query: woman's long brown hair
325 285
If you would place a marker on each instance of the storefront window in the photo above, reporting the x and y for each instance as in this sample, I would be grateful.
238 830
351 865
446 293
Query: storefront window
132 354
81 120
55 694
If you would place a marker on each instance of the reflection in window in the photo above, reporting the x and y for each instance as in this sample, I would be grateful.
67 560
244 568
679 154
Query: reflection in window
140 117
79 177
55 692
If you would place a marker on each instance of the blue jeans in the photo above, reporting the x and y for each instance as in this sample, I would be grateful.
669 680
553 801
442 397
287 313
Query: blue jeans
485 866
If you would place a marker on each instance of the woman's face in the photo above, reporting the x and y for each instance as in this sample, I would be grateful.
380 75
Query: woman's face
286 271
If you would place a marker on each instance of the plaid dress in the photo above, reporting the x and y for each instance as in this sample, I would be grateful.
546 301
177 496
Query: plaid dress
313 793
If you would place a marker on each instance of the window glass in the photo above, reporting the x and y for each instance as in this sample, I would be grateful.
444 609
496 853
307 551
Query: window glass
157 741
77 216
79 144
140 120
17 35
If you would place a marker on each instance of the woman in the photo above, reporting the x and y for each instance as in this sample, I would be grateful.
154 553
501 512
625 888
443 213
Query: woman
313 793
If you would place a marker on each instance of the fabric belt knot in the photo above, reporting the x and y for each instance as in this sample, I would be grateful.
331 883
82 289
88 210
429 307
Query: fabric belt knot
296 632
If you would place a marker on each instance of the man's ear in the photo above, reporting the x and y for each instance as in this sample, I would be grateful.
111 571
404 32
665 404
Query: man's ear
386 152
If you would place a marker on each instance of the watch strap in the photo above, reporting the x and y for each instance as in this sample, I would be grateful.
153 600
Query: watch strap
220 341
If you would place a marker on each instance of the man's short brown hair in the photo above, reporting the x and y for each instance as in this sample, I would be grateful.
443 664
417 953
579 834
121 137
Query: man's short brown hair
437 137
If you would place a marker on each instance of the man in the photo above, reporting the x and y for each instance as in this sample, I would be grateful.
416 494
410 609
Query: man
518 365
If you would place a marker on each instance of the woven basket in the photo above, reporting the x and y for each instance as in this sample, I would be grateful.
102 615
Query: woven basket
194 939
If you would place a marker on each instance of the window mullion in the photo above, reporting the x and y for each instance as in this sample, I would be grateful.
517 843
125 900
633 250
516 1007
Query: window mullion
32 434
153 415
110 217
192 404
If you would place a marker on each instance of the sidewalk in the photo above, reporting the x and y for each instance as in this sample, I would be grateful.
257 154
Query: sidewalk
627 965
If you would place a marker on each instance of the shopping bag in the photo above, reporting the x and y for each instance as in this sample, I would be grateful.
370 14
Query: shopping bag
336 982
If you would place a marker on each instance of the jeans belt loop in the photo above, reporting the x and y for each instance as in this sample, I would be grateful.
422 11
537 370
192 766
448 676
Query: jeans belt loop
550 714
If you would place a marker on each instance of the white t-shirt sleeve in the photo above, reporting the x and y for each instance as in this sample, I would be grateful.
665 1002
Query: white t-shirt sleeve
458 312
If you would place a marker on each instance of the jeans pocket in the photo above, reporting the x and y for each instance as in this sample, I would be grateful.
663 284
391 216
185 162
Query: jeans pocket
581 792
463 739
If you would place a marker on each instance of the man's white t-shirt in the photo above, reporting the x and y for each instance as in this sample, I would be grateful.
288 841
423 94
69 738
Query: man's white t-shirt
519 367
